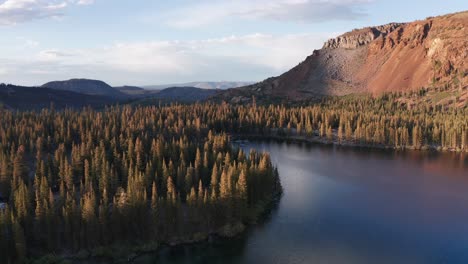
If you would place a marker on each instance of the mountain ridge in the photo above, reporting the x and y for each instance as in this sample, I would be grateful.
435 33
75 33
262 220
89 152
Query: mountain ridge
203 85
35 98
179 94
86 86
396 57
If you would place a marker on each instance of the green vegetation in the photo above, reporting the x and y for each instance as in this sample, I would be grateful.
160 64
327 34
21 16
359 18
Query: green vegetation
126 179
79 182
398 121
394 121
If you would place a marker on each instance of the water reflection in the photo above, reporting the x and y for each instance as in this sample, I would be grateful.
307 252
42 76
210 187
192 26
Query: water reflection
215 251
344 205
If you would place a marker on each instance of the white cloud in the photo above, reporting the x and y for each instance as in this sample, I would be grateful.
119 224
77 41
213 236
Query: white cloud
52 55
247 57
304 11
18 11
85 2
274 52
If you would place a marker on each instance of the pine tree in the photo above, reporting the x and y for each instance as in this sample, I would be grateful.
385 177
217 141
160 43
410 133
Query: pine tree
171 192
21 202
214 181
223 186
154 196
5 179
241 186
20 170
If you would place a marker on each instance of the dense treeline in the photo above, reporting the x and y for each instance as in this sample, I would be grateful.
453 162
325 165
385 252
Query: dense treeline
359 120
81 179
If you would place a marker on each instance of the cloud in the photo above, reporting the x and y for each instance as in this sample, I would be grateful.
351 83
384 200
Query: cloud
303 11
85 2
52 55
246 57
19 11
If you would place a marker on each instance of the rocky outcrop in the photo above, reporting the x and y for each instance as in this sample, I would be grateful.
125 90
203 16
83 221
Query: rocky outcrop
360 37
389 58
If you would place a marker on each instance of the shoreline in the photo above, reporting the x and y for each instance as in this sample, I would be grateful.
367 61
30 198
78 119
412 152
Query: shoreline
344 143
266 208
132 254
228 231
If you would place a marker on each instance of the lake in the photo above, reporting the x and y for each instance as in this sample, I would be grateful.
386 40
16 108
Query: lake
344 205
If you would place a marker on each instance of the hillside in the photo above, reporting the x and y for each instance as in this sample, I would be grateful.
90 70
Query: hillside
127 88
136 92
33 98
202 85
85 86
397 57
179 94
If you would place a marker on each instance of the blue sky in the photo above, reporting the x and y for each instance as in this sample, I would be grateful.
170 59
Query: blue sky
142 42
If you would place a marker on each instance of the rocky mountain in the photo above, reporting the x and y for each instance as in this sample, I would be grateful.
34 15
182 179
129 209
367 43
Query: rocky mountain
389 58
360 37
202 85
34 98
86 86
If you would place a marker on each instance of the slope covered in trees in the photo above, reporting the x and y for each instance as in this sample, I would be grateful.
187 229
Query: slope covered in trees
36 98
78 180
176 94
389 121
73 180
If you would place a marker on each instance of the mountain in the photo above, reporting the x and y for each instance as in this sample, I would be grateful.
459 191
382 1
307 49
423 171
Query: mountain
179 94
127 88
34 98
85 86
203 85
389 58
136 92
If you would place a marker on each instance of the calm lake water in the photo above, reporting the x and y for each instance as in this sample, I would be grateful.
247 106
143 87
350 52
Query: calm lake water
343 205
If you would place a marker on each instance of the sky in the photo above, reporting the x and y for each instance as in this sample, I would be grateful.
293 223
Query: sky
148 42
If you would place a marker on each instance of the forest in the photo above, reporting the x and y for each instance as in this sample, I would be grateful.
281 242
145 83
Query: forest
75 180
356 120
84 179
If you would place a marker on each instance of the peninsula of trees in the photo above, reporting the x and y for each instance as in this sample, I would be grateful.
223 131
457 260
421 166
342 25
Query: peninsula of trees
75 180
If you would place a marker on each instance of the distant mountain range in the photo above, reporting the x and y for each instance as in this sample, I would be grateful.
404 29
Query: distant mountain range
34 98
202 85
94 93
136 92
184 94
